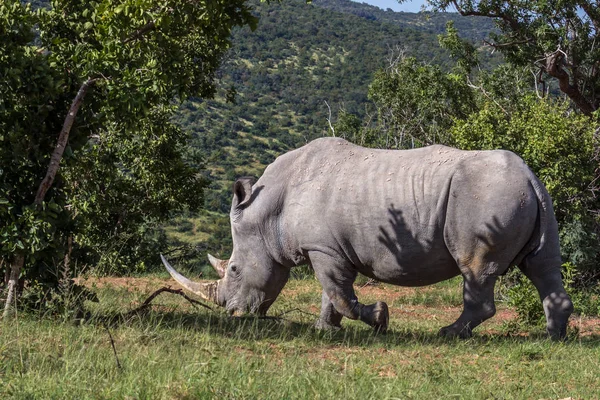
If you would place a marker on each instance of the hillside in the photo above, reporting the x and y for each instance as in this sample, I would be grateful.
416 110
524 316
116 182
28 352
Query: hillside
301 58
475 29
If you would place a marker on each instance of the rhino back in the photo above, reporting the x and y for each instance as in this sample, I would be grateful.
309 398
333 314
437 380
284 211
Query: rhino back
387 213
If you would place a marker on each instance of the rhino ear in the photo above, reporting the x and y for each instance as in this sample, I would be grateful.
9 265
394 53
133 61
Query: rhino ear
242 192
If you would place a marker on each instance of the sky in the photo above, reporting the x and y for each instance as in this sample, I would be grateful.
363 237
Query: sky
408 5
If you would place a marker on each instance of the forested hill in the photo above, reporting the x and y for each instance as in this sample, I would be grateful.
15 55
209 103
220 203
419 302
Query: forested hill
474 29
300 57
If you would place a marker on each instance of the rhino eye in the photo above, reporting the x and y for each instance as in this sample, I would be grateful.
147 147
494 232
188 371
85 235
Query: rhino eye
234 268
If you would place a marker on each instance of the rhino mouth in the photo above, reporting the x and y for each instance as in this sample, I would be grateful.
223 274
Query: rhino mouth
254 304
237 312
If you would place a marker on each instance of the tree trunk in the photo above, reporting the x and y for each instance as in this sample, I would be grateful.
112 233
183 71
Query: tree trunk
13 281
554 68
63 139
6 274
64 281
45 185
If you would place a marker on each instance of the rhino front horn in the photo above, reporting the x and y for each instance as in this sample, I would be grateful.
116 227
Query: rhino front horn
206 291
219 265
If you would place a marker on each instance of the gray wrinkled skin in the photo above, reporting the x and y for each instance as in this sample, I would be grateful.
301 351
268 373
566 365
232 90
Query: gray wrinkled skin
409 218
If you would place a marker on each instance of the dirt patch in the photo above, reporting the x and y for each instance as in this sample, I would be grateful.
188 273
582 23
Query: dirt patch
149 284
387 371
586 326
389 293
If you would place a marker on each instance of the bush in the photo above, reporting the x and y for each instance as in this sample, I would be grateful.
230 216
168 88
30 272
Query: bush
524 298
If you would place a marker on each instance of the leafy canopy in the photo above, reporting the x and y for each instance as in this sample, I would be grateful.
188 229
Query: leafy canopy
125 165
555 38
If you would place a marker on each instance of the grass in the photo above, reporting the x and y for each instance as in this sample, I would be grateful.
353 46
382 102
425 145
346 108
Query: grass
178 352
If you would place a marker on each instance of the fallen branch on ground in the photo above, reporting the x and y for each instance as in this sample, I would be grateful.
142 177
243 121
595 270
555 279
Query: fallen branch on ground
296 310
179 292
196 303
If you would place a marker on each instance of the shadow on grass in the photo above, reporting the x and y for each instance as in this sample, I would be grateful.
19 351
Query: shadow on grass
253 328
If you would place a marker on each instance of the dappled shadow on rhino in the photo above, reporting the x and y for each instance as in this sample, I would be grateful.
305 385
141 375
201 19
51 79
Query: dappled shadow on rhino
404 217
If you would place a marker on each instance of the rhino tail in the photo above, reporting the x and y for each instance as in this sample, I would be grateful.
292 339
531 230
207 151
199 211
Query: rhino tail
544 210
539 237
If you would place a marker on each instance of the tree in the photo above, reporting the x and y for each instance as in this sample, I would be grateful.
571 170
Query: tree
556 38
417 102
91 86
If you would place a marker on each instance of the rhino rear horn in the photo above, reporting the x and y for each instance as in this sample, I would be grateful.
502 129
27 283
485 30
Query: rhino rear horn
206 291
219 265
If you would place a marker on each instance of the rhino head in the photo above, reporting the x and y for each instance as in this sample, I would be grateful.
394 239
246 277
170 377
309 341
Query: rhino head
251 279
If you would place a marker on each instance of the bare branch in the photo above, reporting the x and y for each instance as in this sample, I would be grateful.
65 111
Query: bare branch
514 24
179 292
63 139
507 44
140 32
592 13
555 67
371 282
395 55
536 81
329 119
296 310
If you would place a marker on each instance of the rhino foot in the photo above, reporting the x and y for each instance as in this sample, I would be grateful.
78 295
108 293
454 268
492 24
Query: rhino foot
558 336
378 316
456 331
558 307
323 325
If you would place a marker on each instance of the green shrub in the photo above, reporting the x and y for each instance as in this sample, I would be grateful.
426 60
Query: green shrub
523 296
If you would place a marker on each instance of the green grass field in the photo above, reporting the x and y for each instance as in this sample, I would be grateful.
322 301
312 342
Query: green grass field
175 351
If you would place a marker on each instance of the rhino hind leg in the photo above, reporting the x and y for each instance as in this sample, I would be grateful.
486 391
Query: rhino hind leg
555 300
478 296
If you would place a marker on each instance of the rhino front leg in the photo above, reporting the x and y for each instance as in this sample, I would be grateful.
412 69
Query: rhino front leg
339 298
329 318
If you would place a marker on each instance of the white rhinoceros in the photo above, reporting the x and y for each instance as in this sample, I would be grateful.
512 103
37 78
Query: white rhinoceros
404 217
